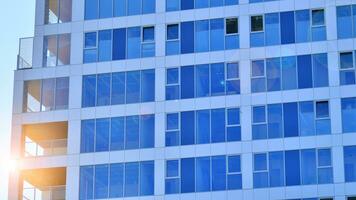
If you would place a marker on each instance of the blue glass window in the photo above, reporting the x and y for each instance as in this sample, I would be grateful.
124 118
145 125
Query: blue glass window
203 174
308 167
217 79
272 29
350 163
322 118
202 78
172 130
318 25
147 178
132 132
276 169
320 70
302 26
119 44
91 9
117 140
118 87
172 177
172 84
234 176
148 39
347 69
187 82
89 91
187 37
148 6
289 73
172 5
306 118
305 79
273 72
275 121
201 3
133 42
90 47
187 128
325 171
203 126
348 106
101 183
218 164
175 5
187 4
257 37
105 8
287 28
290 117
131 179
147 85
232 78
344 22
116 181
86 184
172 37
102 135
232 30
119 8
187 175
147 131
103 90
87 136
133 87
201 36
216 34
292 167
258 80
259 127
217 125
260 173
233 132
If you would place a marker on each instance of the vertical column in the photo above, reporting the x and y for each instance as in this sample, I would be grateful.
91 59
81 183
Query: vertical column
78 10
338 164
40 12
72 184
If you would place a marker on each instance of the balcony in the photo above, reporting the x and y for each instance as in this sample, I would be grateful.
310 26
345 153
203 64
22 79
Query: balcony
47 139
24 58
44 184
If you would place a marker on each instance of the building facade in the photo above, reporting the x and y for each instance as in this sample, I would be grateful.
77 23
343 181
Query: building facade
186 99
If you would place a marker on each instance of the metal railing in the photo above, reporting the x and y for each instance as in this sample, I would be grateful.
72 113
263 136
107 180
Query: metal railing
24 58
45 193
46 148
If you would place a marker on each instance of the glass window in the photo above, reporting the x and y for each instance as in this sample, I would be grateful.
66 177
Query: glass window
48 91
287 27
172 84
256 23
131 179
201 3
133 89
187 37
290 115
347 69
218 174
146 178
350 163
64 42
172 31
101 185
105 45
187 128
217 125
260 162
322 109
305 78
203 174
172 129
344 22
187 82
148 34
216 34
308 167
318 18
302 25
132 132
147 131
133 42
232 78
148 6
90 47
273 73
105 8
325 172
272 32
91 9
202 78
187 4
116 180
187 175
117 140
275 121
276 169
102 135
258 81
201 36
232 26
216 3
134 7
203 126
320 70
234 177
119 8
62 93
289 73
50 51
58 11
172 168
119 44
348 106
32 96
147 85
306 118
259 127
87 136
86 184
260 175
217 79
118 86
292 167
103 89
172 5
89 91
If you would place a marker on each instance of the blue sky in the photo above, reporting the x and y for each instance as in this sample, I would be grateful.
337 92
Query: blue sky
16 21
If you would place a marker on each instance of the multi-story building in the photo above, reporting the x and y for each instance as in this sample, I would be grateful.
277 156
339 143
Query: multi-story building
187 99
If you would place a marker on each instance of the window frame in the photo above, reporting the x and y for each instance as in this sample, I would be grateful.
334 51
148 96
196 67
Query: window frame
311 17
178 177
346 70
142 34
178 84
178 130
92 48
225 27
261 171
178 38
263 23
318 167
264 76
